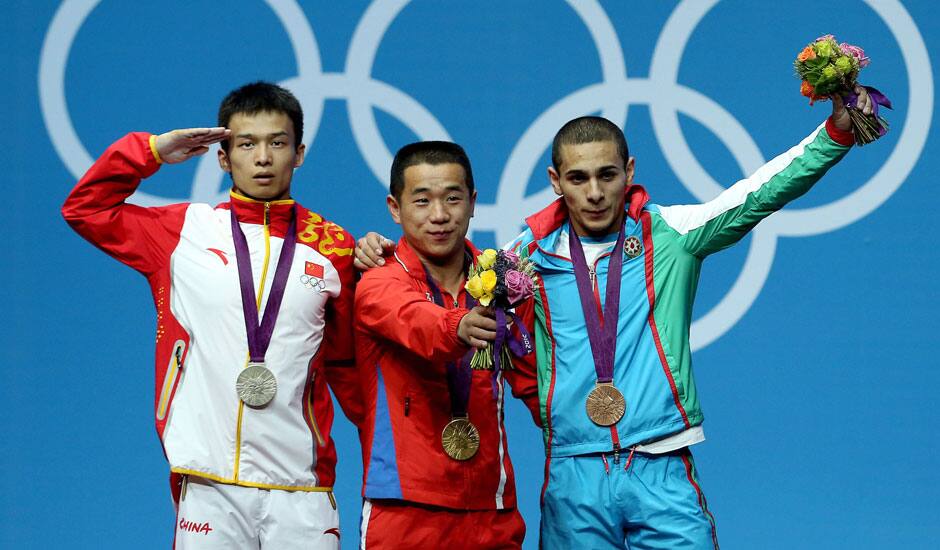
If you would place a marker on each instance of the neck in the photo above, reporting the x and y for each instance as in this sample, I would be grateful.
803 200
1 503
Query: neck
283 196
449 275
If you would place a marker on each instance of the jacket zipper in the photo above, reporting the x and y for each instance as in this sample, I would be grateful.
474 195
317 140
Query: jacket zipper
260 293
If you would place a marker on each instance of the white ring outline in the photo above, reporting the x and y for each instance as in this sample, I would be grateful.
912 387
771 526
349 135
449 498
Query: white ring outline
666 58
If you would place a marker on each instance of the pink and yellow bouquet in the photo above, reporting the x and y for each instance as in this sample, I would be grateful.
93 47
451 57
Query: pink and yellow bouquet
828 68
501 280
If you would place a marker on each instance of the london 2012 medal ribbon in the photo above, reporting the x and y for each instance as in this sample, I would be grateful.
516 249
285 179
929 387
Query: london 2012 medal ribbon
605 404
256 385
460 439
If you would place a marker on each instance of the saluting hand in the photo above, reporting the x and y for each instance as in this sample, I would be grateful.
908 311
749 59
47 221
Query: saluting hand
179 145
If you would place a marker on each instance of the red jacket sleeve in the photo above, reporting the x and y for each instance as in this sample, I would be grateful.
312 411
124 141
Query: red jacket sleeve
523 377
142 238
390 308
338 343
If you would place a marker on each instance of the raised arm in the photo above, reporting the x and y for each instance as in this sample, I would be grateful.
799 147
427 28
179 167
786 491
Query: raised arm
97 210
719 223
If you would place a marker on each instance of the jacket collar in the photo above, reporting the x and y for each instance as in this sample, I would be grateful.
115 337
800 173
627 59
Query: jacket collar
409 260
552 217
249 210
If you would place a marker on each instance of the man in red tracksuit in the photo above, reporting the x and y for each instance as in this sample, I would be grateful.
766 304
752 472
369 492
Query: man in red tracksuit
429 480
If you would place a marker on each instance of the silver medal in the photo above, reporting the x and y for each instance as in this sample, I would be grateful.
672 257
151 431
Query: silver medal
256 385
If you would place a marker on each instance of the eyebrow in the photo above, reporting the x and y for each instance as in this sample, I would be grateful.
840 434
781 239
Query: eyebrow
273 134
452 187
581 171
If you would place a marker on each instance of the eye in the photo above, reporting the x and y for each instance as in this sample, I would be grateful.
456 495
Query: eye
454 198
421 201
246 145
278 143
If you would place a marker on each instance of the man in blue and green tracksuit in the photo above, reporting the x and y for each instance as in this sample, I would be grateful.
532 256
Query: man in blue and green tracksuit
611 382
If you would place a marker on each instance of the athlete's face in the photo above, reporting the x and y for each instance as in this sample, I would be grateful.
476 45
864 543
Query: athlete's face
434 211
592 178
262 155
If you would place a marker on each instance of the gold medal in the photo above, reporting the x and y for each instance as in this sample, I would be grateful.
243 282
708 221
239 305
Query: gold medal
605 404
256 385
460 438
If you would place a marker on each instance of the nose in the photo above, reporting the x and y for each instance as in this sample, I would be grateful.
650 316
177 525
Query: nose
263 155
594 191
439 213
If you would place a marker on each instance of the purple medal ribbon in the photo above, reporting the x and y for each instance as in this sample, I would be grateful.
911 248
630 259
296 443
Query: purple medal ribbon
603 340
504 335
259 336
459 375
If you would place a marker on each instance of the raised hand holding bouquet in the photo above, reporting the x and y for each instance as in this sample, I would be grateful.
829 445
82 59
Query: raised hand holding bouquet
829 69
501 280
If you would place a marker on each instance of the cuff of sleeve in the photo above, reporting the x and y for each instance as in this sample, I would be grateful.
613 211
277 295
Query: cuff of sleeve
453 318
153 149
842 137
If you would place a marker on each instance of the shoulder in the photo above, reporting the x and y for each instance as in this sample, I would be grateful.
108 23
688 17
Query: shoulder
522 244
324 236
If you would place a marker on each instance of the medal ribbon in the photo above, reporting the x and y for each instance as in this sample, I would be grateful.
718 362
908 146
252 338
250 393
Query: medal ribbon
603 339
459 375
259 336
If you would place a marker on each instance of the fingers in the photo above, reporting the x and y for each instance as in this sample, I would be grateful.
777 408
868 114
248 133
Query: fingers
476 330
370 251
864 100
204 136
379 243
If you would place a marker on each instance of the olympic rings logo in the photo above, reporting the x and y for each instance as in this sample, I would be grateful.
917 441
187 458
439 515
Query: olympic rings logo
661 91
313 283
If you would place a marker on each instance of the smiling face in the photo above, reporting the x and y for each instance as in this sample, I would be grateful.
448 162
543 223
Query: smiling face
592 178
434 211
262 155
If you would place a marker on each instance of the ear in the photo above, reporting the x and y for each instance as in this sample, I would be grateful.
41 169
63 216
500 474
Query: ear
299 157
223 161
555 179
630 168
394 209
473 202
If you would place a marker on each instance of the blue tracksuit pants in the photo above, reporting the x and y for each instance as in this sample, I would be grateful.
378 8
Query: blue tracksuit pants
644 501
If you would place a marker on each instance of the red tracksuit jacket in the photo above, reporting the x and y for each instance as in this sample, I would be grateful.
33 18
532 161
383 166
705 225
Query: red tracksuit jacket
404 341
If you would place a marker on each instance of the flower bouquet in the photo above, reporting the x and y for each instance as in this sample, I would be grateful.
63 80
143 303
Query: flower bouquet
501 280
828 68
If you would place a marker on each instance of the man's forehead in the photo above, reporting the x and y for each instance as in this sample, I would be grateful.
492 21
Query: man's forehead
592 154
435 176
261 123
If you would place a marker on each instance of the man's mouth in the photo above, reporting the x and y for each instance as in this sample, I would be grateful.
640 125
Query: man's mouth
596 213
439 235
263 177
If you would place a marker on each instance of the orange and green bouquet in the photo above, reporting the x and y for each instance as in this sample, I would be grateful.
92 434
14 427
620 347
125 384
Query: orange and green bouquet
501 280
829 68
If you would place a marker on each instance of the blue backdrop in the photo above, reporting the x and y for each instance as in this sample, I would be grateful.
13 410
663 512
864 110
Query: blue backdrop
816 351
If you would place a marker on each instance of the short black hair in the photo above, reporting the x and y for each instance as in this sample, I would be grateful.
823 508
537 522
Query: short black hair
588 129
427 152
261 97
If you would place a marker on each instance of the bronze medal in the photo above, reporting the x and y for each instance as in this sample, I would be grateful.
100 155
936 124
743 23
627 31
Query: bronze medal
605 404
460 439
256 385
